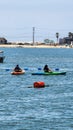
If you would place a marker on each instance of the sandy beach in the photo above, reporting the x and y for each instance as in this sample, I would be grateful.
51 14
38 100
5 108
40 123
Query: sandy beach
33 46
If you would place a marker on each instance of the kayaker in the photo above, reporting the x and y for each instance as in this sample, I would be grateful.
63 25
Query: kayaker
17 69
47 69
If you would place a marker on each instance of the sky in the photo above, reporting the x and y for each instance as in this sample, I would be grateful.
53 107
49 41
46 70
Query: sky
18 17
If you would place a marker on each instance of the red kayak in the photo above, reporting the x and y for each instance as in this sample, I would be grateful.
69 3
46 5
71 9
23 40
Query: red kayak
18 73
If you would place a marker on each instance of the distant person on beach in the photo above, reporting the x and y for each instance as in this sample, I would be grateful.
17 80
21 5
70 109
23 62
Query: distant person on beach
47 69
17 69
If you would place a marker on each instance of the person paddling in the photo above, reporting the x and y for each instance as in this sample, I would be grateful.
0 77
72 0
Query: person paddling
47 69
17 69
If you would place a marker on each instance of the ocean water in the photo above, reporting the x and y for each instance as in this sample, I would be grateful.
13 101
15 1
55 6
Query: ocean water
23 107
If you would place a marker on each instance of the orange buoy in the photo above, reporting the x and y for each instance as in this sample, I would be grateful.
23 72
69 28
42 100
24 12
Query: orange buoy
39 84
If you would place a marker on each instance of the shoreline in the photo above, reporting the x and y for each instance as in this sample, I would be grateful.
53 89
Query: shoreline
33 46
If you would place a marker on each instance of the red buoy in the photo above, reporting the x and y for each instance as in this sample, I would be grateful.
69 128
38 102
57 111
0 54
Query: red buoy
39 84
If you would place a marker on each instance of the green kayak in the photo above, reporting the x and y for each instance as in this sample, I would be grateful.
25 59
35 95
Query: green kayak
49 73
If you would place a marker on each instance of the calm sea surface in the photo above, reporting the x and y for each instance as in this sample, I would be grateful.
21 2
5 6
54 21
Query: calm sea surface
23 107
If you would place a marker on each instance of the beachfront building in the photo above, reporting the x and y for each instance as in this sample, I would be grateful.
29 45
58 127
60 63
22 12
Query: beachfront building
3 40
66 40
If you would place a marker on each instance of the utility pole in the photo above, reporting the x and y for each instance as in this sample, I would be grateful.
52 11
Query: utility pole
33 35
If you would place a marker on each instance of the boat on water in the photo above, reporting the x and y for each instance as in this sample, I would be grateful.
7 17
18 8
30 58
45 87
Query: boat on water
2 56
18 72
49 73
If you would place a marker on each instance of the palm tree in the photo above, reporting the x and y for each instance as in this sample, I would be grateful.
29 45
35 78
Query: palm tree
57 36
70 35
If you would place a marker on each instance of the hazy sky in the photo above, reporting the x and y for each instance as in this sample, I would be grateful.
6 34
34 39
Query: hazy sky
18 17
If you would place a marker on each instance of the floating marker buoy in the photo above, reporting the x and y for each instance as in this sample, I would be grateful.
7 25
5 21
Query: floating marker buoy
39 84
39 68
26 69
57 69
7 69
